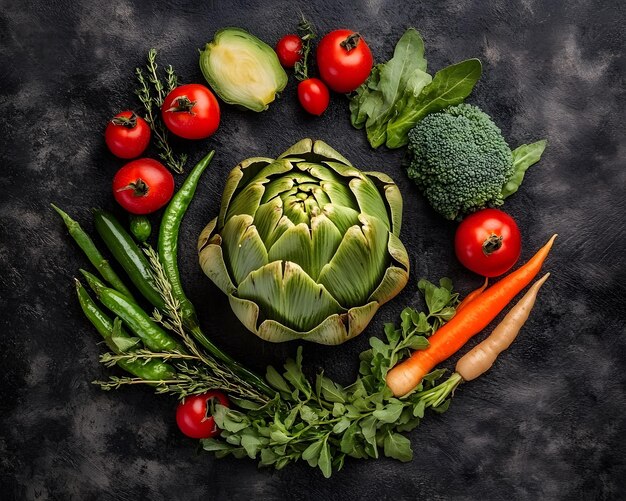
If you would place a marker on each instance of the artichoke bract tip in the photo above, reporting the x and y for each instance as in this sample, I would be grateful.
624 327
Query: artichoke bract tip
306 246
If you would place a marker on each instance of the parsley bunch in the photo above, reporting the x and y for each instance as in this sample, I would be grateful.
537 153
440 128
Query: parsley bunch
324 422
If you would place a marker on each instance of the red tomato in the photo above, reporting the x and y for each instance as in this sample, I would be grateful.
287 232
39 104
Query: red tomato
127 135
313 95
143 186
289 50
191 111
344 60
192 415
488 242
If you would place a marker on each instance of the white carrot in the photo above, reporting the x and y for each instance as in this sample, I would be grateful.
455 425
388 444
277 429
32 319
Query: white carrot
480 358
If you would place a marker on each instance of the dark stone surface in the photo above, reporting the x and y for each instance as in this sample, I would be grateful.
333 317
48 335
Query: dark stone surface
546 423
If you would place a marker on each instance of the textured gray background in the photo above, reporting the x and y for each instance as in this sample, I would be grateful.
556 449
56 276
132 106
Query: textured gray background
546 423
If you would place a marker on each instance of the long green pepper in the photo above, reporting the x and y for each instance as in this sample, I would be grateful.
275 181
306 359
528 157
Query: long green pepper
137 320
129 256
150 370
87 245
168 238
168 256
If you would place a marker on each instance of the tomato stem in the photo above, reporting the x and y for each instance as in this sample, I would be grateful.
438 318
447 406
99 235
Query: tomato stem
139 187
492 244
351 41
128 122
182 104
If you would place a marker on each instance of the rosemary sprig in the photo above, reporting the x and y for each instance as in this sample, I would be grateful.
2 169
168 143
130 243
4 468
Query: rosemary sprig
147 85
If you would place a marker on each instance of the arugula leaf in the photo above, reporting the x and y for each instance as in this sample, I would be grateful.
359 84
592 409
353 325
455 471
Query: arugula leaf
450 86
325 460
523 157
276 380
312 453
397 446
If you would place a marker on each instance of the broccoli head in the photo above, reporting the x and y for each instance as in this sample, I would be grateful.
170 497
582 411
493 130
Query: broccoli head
459 160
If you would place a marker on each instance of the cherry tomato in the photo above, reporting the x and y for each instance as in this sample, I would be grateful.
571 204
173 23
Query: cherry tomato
344 60
192 415
313 95
191 111
127 135
488 242
289 50
143 186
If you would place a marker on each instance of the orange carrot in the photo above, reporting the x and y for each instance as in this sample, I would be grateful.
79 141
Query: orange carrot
472 295
472 319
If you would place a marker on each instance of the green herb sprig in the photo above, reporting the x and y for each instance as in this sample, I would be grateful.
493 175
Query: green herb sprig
151 93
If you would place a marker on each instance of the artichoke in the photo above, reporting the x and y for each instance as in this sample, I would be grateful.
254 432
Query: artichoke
306 246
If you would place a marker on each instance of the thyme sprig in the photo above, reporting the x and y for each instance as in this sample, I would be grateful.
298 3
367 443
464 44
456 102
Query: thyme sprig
151 93
211 371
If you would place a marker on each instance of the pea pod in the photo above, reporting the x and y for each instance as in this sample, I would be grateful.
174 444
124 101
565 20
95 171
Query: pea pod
129 255
150 370
137 320
168 256
87 245
140 227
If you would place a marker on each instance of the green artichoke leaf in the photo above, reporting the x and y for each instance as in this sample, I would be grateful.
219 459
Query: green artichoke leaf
247 201
359 264
342 217
267 217
285 293
393 197
310 248
244 251
370 199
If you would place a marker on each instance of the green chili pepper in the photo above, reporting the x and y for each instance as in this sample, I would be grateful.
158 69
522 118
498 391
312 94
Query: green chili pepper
168 256
150 370
93 254
129 255
140 227
168 238
137 320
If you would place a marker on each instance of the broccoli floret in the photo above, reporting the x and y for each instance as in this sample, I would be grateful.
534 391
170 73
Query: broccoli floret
459 160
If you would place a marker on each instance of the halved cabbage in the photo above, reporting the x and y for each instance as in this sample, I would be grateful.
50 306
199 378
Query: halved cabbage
242 69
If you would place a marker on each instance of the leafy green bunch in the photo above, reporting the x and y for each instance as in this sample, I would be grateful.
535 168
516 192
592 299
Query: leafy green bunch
325 422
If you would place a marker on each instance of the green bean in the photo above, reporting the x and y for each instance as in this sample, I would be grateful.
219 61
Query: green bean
129 255
140 227
150 370
168 256
93 254
137 320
